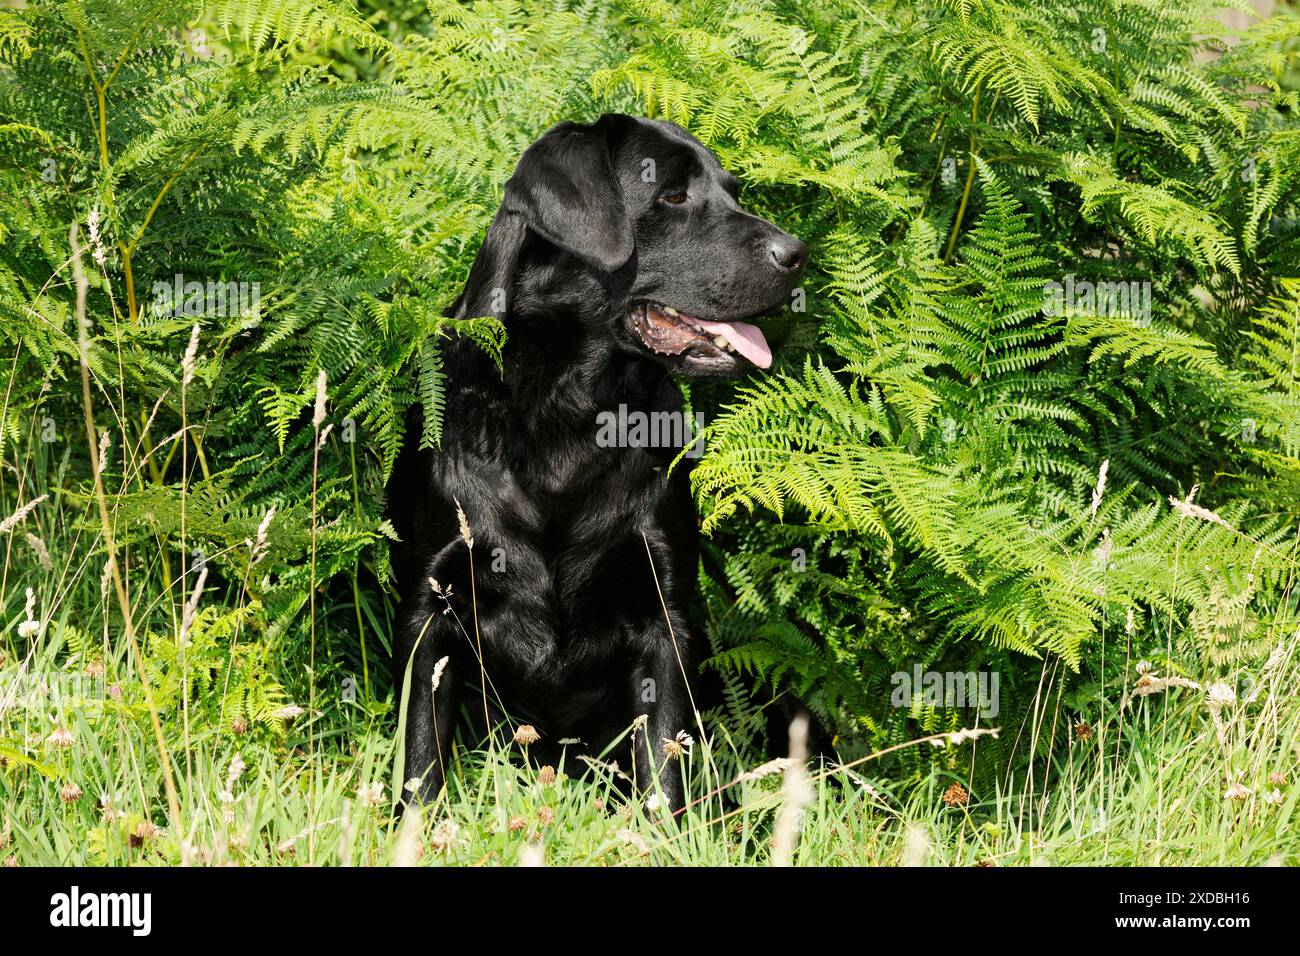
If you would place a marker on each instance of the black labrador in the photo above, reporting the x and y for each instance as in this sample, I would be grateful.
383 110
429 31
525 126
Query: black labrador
619 255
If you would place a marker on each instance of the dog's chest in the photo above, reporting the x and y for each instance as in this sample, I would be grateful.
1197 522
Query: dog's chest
569 569
585 510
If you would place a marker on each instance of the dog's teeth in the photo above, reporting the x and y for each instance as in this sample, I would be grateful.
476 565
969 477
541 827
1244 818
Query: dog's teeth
721 342
668 309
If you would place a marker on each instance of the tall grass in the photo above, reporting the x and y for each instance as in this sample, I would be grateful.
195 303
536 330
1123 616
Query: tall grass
1179 774
271 803
1178 771
119 742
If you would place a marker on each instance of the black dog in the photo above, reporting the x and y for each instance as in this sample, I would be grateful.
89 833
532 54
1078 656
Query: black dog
619 255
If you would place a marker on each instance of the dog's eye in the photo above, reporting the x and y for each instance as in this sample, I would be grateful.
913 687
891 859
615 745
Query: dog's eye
674 197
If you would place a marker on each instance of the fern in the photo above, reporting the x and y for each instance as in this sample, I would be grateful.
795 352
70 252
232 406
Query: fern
911 483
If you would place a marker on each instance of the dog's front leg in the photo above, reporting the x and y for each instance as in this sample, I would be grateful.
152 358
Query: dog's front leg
424 651
663 710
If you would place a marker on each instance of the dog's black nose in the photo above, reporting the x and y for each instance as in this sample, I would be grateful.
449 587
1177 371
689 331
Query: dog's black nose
788 253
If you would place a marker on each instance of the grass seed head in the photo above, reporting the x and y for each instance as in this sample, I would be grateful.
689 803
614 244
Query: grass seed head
42 552
19 516
30 626
258 546
322 383
1187 509
438 668
1101 486
101 464
191 350
466 534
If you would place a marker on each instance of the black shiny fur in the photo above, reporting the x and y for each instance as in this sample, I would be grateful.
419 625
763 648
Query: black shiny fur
580 635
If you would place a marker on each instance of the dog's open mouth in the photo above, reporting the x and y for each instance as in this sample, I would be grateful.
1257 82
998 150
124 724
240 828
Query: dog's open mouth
669 332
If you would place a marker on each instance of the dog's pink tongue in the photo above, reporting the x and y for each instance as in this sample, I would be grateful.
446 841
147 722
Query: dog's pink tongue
745 338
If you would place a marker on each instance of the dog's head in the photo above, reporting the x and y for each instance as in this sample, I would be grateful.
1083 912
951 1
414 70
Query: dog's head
632 228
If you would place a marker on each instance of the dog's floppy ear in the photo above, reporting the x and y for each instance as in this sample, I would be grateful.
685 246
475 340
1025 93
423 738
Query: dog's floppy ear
487 289
565 190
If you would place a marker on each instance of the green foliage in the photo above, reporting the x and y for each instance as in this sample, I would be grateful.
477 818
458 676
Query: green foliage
913 483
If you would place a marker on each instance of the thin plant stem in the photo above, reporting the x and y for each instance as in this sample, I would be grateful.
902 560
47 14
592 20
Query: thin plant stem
119 586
